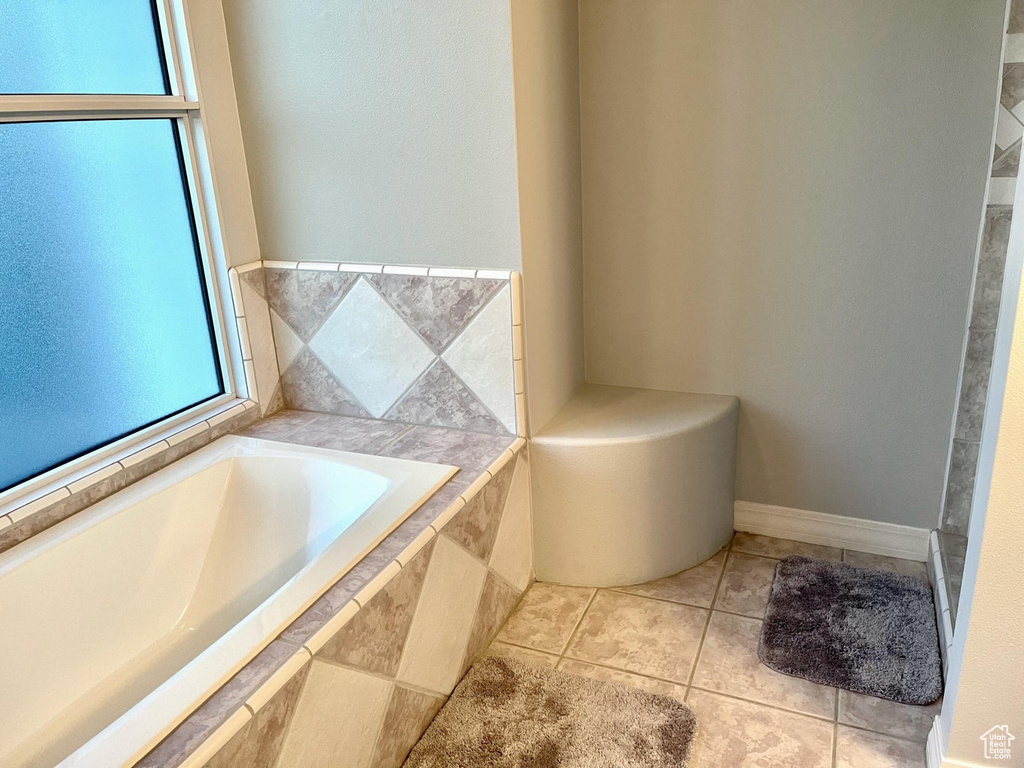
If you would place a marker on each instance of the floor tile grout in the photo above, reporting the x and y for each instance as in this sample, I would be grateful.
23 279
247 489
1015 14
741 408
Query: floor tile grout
711 611
688 687
576 626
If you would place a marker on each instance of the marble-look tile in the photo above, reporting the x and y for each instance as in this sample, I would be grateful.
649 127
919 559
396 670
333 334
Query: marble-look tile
370 349
739 734
856 748
512 555
768 546
337 720
374 638
257 279
970 412
729 664
1008 128
339 594
1012 92
746 584
1016 21
902 720
988 283
258 745
286 341
882 563
440 399
963 466
1006 164
497 602
305 298
527 655
467 450
198 727
953 551
482 357
307 385
409 713
438 308
261 341
475 526
433 508
546 617
325 430
694 586
277 427
607 675
636 634
444 618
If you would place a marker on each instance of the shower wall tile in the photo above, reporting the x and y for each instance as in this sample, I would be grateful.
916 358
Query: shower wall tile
974 385
960 487
433 349
988 284
991 261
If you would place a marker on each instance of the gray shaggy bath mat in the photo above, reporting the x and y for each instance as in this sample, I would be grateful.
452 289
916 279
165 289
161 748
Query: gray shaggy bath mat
861 629
507 714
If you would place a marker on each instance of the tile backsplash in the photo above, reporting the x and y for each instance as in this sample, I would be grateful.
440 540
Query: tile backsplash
430 347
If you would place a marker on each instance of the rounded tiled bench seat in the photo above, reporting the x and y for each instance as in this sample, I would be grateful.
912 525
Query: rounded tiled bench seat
631 485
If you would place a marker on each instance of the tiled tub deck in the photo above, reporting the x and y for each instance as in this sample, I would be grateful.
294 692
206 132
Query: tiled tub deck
694 636
362 672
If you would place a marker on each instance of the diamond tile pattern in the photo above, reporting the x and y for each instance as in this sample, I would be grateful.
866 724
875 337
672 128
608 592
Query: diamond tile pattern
437 308
373 688
305 298
435 351
370 350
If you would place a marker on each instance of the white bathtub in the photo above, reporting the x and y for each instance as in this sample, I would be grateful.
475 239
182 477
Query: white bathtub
117 622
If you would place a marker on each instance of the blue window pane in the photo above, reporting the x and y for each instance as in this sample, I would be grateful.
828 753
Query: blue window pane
104 321
80 46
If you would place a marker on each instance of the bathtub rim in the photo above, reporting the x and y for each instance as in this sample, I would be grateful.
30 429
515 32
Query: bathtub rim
163 709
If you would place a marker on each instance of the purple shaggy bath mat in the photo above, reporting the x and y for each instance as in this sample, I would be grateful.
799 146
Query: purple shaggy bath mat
861 629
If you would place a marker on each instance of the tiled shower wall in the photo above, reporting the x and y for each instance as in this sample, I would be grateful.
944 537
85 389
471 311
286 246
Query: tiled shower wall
386 343
988 283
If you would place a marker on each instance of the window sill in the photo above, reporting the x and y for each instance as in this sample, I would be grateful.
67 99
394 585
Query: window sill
36 510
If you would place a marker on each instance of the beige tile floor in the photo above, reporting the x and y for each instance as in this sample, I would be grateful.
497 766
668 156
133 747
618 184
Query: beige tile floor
694 636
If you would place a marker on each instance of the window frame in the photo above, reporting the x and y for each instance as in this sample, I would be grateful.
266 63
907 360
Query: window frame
184 106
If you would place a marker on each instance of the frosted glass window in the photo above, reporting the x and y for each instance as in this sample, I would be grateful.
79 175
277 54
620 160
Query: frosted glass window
105 325
80 46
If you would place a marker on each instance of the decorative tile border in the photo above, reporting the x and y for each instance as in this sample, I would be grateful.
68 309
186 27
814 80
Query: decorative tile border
362 671
22 522
976 365
431 346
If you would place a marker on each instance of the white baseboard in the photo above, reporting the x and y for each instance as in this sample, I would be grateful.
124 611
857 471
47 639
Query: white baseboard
933 753
833 530
933 749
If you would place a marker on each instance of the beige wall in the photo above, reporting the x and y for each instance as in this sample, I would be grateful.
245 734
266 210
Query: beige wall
379 132
781 202
546 56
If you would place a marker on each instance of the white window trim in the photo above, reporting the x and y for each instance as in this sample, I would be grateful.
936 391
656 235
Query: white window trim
185 106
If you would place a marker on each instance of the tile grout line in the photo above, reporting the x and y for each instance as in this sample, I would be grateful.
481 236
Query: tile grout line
576 626
711 612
